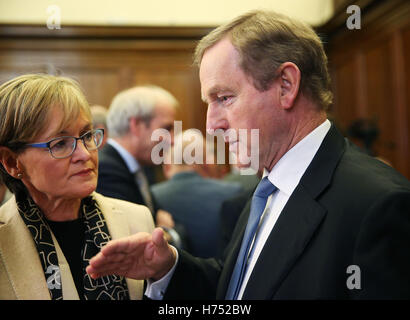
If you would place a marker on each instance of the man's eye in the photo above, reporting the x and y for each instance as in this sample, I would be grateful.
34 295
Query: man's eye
224 99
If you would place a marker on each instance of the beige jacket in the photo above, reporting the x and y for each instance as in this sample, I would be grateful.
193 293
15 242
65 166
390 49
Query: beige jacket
21 274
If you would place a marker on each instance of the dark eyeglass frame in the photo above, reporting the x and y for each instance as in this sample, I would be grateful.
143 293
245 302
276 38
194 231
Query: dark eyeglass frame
47 144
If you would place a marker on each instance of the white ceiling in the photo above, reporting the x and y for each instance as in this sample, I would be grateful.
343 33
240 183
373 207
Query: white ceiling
156 12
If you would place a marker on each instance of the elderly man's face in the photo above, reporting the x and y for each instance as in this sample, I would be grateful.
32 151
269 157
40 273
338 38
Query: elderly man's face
164 117
74 177
234 102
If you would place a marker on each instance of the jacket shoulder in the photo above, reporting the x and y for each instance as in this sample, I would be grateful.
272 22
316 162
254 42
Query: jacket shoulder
134 213
8 210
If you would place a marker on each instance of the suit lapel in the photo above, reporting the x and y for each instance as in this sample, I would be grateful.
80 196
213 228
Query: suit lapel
232 252
118 227
297 222
20 257
288 239
68 286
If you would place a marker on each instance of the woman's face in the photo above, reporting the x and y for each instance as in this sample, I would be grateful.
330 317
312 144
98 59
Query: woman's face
49 179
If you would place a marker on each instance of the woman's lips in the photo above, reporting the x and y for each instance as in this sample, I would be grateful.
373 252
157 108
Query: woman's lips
84 172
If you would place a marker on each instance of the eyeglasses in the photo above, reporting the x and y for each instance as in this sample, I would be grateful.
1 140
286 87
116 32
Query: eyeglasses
63 147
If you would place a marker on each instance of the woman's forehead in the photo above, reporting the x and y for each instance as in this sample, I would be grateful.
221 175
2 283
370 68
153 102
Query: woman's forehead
59 122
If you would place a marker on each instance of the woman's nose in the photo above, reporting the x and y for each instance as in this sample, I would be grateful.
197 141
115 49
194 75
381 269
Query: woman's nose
81 152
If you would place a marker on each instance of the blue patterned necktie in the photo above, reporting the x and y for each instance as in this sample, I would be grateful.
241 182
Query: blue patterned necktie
263 191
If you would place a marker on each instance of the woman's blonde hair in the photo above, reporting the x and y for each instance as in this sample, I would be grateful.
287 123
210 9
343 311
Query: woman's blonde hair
26 103
265 40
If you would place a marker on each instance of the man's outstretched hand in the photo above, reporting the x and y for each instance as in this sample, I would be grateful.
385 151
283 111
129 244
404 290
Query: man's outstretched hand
140 256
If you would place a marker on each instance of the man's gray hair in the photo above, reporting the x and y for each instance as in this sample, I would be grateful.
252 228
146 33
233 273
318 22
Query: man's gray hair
99 115
137 102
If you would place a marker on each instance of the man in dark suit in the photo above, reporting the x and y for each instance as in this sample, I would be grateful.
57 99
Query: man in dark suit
193 199
231 210
334 222
132 117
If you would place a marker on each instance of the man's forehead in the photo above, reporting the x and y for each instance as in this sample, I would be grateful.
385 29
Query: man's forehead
217 65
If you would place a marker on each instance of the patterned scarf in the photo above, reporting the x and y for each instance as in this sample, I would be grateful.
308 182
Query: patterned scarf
96 236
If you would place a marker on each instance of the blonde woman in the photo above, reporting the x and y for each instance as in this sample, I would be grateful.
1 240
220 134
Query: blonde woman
56 222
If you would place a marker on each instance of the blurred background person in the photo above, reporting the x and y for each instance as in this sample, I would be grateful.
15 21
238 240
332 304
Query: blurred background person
193 199
99 115
133 116
365 133
55 222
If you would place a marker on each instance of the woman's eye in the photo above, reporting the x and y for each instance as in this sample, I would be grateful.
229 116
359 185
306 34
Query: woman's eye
59 144
88 136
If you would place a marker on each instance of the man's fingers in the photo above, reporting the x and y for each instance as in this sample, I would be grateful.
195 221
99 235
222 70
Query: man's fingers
109 267
101 260
126 245
158 238
137 256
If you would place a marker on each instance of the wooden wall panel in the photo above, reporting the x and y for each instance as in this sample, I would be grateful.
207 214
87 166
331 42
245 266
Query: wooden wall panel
370 68
379 88
100 85
345 92
106 60
405 90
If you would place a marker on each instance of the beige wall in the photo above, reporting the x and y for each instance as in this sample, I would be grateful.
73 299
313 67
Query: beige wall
156 12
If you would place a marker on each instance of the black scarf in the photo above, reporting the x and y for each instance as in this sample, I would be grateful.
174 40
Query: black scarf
96 236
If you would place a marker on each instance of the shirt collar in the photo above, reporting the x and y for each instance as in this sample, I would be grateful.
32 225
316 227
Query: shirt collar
288 171
132 164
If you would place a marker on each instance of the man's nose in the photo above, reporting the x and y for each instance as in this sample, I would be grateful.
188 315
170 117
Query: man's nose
215 119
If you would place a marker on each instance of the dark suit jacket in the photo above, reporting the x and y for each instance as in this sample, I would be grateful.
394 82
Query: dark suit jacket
348 209
115 180
195 202
231 210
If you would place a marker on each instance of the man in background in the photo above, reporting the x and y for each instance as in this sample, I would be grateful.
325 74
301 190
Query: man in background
99 115
132 117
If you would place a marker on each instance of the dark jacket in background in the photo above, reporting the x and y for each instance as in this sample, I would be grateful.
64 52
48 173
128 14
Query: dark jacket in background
195 202
115 180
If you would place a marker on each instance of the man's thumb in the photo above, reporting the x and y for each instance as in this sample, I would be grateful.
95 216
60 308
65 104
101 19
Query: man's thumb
158 238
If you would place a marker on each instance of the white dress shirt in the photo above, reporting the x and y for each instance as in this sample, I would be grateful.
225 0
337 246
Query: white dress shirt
129 160
285 175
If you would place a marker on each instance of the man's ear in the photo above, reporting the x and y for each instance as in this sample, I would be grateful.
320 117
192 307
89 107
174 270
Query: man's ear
289 79
137 125
9 161
166 169
134 125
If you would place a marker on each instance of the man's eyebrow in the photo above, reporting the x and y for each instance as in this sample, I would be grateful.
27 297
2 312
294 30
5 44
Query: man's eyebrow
214 90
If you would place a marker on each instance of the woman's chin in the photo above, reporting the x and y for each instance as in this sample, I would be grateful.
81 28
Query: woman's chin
86 190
